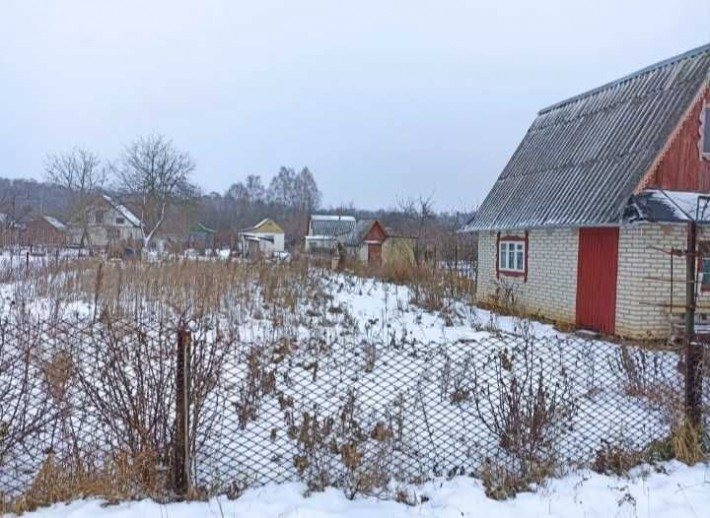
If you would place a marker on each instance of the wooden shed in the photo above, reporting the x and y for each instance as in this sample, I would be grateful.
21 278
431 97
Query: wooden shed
45 231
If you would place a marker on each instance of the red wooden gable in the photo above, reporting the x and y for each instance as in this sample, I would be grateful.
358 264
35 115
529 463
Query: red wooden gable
376 233
682 167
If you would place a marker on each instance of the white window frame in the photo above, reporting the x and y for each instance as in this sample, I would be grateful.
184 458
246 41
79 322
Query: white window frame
511 249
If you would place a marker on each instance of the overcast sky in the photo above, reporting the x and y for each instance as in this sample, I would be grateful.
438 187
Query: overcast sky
380 99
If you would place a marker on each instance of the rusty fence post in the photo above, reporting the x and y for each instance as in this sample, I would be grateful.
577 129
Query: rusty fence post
694 382
693 348
182 385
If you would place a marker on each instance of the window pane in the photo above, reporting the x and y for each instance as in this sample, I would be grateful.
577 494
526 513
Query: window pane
503 256
706 273
520 264
511 257
706 132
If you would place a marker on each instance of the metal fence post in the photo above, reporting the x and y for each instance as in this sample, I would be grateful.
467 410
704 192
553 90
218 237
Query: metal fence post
693 349
182 451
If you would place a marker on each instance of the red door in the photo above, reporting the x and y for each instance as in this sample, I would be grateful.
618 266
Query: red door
374 254
596 278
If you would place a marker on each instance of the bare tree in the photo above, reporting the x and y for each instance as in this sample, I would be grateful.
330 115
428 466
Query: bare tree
79 172
155 175
307 195
420 211
282 187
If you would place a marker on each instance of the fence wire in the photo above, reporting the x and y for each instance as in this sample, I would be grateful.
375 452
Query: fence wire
93 400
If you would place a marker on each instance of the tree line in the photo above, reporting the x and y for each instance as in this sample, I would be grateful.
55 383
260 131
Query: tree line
154 179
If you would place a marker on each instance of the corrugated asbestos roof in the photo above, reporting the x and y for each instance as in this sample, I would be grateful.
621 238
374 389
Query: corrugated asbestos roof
358 233
581 159
331 226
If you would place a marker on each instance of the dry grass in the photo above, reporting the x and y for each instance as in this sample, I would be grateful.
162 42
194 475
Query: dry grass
431 288
124 477
182 287
687 443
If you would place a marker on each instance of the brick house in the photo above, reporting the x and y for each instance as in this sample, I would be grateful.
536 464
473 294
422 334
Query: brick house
580 224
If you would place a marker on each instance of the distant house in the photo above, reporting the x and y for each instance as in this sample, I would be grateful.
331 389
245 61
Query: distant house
108 223
580 225
367 240
201 237
45 231
325 232
263 239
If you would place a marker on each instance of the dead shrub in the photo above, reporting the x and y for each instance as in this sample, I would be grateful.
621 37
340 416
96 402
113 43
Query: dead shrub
502 480
505 298
337 451
58 371
525 406
260 381
370 350
614 460
127 378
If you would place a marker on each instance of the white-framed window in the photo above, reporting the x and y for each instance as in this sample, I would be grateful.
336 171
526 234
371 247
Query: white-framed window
511 256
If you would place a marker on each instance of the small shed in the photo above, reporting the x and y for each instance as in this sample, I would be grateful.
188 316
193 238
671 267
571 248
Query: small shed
365 241
263 239
46 231
201 237
373 243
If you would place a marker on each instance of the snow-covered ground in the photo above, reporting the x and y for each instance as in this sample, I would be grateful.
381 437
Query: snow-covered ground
413 394
679 493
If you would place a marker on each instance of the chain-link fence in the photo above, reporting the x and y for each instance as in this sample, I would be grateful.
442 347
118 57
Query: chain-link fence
130 407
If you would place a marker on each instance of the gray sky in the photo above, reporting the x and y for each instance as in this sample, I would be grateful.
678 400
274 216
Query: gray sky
381 99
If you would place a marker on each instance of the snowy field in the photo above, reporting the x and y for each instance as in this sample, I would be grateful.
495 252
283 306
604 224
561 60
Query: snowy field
322 379
682 492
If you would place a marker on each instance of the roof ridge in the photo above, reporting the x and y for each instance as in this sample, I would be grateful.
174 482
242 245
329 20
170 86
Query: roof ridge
664 63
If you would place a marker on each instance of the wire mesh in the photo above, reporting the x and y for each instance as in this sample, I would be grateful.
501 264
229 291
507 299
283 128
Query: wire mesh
95 400
84 402
330 413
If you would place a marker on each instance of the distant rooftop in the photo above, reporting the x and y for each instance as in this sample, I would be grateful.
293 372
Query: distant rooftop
325 225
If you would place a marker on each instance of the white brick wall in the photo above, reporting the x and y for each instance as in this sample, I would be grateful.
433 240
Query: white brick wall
643 288
550 290
642 296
